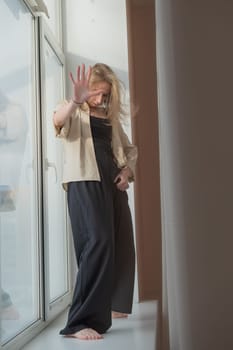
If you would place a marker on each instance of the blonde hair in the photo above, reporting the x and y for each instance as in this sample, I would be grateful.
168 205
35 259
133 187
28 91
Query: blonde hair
102 72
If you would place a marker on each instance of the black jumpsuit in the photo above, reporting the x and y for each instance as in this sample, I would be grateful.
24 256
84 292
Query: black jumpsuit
103 240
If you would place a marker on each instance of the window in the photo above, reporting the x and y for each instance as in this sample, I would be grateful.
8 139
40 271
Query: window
55 223
33 228
18 173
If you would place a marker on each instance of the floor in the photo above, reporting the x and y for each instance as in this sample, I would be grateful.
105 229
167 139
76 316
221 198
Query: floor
136 332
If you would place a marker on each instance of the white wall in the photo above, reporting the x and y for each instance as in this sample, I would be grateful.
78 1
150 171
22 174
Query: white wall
96 31
195 70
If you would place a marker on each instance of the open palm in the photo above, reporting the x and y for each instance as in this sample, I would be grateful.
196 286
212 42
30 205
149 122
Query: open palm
81 90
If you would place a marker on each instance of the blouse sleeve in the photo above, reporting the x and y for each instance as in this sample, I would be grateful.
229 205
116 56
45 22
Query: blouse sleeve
130 151
63 131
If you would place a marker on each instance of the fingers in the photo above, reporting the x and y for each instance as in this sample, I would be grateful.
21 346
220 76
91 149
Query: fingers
81 75
78 73
117 179
122 186
121 183
83 72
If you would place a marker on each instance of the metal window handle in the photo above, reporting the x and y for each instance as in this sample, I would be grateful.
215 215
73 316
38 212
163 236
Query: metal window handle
51 165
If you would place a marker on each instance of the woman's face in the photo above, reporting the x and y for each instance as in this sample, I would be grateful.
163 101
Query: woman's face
99 99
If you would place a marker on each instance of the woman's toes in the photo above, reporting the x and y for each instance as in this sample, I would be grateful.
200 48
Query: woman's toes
119 315
87 334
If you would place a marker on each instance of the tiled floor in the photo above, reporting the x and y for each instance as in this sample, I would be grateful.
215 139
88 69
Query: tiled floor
137 333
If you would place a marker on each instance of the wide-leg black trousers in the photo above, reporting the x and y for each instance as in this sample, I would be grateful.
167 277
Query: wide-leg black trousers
104 246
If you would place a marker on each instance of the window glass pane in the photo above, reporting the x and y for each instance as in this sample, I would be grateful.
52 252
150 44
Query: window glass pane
55 194
18 178
54 17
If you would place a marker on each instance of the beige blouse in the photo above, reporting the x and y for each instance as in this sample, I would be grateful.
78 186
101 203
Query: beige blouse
79 156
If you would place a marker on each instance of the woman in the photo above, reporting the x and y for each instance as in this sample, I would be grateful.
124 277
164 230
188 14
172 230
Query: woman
99 162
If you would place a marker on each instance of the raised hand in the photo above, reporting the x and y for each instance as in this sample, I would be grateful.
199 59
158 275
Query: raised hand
81 91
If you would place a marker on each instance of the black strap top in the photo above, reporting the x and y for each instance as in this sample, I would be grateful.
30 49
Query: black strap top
101 129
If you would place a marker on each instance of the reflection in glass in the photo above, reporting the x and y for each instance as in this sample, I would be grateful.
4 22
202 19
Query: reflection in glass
18 212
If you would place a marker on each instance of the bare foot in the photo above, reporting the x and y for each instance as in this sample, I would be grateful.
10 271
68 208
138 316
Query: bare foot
87 334
119 315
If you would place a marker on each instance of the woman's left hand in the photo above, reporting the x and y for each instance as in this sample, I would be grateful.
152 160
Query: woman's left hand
122 179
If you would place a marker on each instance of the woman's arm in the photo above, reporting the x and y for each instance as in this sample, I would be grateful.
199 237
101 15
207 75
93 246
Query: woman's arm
130 151
63 113
127 173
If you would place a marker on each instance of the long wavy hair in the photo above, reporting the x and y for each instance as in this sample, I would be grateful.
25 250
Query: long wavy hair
102 72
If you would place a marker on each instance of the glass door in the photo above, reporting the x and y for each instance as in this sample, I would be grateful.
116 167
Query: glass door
19 176
56 229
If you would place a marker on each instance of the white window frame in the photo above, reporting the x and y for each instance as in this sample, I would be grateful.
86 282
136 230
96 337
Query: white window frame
47 312
52 309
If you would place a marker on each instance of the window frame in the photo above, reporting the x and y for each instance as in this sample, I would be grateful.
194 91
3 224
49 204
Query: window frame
47 312
34 328
57 306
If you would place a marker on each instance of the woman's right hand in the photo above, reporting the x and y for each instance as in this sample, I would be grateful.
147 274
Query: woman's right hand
81 90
